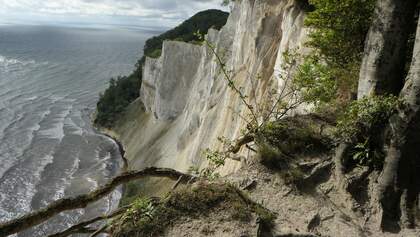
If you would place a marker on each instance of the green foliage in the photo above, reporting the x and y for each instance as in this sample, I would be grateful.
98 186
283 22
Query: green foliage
316 81
340 28
281 145
188 202
140 208
216 160
130 193
360 125
365 154
201 21
292 136
156 53
363 116
112 103
361 154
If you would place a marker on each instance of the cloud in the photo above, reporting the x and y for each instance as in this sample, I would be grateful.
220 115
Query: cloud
166 13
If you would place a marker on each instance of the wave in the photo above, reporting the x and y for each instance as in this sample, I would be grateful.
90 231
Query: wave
21 187
19 140
61 186
6 62
56 129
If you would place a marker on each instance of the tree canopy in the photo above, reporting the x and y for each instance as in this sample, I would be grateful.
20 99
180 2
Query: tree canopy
201 21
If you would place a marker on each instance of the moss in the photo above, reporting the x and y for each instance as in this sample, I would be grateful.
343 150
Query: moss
147 187
284 140
191 202
283 144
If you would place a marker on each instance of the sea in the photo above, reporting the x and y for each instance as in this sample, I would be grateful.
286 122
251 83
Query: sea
50 81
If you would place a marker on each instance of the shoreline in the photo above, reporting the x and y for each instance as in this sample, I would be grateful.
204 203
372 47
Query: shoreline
107 133
104 132
120 148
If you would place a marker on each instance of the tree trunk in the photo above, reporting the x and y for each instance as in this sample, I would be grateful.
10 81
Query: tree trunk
81 201
399 183
385 50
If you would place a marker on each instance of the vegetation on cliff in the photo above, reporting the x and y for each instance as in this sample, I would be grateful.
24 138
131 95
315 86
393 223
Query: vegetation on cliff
355 43
151 218
125 89
201 21
360 49
120 93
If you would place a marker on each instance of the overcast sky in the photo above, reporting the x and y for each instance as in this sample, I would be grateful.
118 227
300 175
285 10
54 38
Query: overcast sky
138 13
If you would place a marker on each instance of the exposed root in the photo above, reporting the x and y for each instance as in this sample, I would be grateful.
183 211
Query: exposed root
82 226
340 160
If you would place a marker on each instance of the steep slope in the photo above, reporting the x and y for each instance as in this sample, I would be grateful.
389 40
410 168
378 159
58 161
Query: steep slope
187 104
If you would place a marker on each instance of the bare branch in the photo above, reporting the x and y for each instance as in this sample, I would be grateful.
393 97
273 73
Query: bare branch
231 83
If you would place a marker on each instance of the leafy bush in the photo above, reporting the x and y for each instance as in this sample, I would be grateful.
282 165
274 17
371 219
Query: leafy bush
293 136
187 202
360 125
364 115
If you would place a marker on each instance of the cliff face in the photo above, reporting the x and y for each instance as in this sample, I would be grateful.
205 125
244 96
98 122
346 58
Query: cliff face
187 103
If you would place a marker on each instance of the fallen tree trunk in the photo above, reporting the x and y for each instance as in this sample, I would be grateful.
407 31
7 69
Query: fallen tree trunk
399 183
81 201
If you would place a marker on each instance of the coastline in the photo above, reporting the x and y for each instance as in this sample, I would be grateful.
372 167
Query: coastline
120 146
109 134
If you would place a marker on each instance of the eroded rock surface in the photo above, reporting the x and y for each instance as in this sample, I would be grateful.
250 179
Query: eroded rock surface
187 102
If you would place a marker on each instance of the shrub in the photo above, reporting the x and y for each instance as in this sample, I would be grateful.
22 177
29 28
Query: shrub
364 116
361 125
189 202
291 137
282 144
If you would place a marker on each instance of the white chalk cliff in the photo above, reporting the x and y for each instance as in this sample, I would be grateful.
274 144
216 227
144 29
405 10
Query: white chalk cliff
187 103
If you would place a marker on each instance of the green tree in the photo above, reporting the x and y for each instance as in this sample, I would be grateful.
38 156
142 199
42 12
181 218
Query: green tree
201 22
340 28
338 33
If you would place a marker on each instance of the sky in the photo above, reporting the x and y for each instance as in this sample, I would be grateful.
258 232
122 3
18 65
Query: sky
146 14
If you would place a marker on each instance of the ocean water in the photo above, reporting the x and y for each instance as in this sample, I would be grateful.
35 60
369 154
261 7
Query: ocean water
50 78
